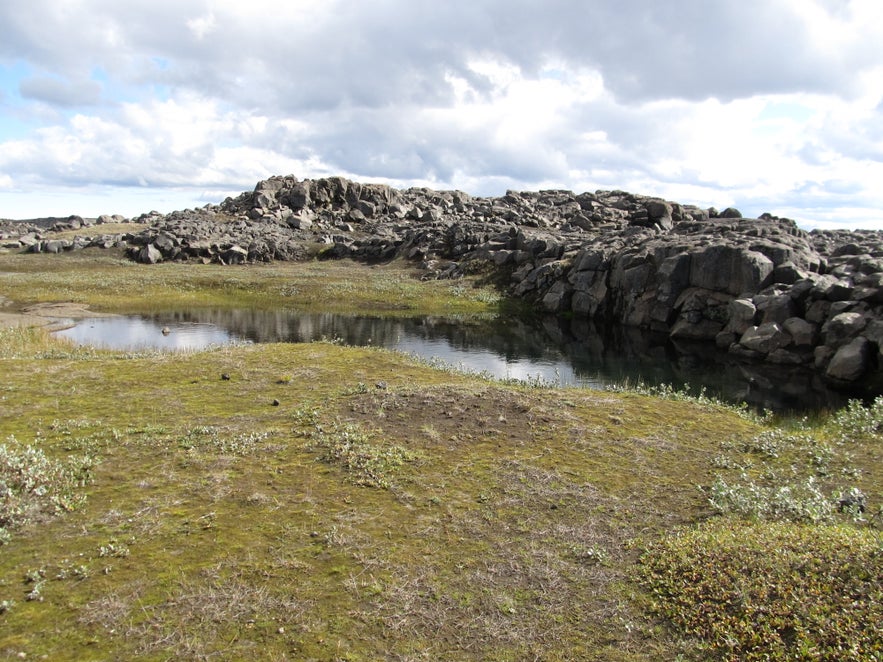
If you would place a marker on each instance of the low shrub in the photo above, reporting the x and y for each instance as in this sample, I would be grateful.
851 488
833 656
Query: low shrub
771 591
856 422
33 485
366 462
793 502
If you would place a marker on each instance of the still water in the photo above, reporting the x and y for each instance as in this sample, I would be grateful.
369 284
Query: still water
551 350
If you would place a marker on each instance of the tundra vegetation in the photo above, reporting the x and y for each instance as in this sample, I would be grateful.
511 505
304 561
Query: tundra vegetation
389 509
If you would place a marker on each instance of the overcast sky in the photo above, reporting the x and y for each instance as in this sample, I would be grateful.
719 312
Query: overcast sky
123 107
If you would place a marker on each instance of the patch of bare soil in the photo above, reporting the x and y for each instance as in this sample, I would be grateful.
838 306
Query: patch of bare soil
52 315
447 415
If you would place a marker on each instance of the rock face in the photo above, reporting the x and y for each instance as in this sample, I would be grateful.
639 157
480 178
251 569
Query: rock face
762 288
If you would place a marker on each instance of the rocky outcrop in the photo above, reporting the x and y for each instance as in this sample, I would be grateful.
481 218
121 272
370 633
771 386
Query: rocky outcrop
39 235
759 288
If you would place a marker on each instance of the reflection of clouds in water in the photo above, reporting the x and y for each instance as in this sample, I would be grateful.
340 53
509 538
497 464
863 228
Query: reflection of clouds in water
137 333
504 350
474 360
557 373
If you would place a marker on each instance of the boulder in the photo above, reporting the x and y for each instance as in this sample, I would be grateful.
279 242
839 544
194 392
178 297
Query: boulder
300 221
234 255
558 298
761 288
150 254
655 214
803 333
298 196
590 293
54 246
742 313
832 288
788 273
842 328
850 362
27 240
591 260
673 277
775 307
729 269
166 243
765 338
874 332
782 356
818 311
701 314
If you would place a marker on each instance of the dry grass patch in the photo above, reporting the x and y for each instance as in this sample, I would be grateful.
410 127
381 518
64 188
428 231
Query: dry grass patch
107 281
214 528
218 614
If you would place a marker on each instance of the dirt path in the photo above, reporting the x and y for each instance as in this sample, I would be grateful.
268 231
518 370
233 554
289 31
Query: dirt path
52 315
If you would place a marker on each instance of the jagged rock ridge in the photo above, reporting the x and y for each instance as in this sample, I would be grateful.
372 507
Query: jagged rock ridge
760 288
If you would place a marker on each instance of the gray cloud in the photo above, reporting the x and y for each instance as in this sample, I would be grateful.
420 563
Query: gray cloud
372 54
365 88
57 92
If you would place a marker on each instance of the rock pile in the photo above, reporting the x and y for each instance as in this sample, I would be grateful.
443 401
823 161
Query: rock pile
37 235
761 288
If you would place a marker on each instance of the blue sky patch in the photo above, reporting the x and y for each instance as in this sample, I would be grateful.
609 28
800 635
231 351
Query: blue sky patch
786 110
10 76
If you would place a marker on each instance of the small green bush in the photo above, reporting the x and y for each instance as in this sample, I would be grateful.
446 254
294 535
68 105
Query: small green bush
771 591
351 448
208 438
856 422
33 485
792 502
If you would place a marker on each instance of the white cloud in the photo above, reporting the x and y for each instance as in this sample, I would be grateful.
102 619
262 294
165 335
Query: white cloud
203 26
62 93
770 105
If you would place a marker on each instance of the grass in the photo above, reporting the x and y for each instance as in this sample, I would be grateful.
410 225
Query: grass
754 591
367 462
33 486
299 510
794 571
99 230
107 281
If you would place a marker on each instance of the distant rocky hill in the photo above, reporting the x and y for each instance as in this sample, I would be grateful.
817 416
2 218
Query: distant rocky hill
762 289
47 222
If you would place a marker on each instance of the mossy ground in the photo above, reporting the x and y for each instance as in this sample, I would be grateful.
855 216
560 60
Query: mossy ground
511 522
109 282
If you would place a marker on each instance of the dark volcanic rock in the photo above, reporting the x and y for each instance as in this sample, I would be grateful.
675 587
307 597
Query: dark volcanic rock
760 288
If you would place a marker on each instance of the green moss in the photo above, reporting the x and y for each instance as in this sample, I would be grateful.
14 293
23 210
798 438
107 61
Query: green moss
509 527
218 497
107 282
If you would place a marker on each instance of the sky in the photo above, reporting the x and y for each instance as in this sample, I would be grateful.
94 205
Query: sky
126 107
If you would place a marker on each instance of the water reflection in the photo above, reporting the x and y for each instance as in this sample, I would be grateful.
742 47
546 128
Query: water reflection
553 350
138 333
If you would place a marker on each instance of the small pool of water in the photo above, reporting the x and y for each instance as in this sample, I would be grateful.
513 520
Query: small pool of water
130 332
552 350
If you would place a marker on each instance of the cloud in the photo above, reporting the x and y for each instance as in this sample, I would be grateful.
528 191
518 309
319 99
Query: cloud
171 143
768 104
63 93
316 54
203 25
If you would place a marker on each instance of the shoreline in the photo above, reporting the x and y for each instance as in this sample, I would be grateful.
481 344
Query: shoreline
52 316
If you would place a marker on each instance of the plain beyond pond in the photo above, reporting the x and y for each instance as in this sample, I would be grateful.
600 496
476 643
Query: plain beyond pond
317 501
